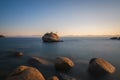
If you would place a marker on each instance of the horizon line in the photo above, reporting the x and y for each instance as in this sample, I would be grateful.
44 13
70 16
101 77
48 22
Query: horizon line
64 35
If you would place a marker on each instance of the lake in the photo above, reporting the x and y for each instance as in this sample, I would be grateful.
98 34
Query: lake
78 49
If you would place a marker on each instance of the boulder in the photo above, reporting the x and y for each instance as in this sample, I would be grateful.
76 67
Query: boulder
99 66
63 63
53 78
51 37
25 73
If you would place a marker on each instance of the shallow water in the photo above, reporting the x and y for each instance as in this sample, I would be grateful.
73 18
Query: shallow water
79 49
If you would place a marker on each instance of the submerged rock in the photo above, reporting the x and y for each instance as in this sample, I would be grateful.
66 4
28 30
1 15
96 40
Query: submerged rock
63 63
25 73
51 37
39 60
99 66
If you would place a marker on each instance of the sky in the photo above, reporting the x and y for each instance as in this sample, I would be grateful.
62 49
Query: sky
66 17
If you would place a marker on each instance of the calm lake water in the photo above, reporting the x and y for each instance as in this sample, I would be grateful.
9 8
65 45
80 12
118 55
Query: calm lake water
78 49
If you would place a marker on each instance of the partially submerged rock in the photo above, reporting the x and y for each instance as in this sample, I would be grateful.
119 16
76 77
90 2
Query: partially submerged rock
51 37
15 53
19 54
1 36
99 66
119 38
63 63
25 73
39 60
115 38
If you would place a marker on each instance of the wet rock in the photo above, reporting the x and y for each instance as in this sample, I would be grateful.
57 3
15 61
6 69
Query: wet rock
54 78
51 37
25 73
63 63
99 66
93 59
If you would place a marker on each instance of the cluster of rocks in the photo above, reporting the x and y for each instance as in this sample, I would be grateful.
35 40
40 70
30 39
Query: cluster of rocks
115 38
51 37
97 66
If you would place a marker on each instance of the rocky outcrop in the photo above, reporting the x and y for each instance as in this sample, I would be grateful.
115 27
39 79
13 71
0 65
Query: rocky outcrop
99 66
1 36
115 38
25 73
119 38
51 37
63 63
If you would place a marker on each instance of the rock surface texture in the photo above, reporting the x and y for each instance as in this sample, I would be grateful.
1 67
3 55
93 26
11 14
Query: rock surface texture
51 37
25 73
63 63
100 66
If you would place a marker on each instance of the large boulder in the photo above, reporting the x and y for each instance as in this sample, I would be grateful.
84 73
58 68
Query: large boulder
99 66
63 63
51 37
25 73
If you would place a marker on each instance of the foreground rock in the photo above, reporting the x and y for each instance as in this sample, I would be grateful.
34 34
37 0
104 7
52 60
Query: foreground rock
25 73
63 63
99 66
51 37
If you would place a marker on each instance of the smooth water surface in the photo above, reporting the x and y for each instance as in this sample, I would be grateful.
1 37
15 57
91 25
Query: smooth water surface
79 49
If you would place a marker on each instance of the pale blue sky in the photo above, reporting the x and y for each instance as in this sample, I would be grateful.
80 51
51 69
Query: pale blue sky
66 17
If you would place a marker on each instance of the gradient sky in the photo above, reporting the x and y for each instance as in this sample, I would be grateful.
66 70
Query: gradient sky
66 17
